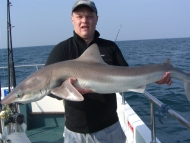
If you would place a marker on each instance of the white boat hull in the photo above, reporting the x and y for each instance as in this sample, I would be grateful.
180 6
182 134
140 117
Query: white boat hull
134 128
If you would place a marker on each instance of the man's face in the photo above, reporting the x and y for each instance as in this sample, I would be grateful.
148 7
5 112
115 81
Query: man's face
84 21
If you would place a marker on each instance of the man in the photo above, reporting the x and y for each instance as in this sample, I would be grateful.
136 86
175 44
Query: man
93 120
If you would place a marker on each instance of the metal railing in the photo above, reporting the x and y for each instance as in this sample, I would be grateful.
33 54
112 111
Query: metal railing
22 66
165 108
37 66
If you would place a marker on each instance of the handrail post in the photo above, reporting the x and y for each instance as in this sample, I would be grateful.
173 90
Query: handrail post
36 67
152 119
123 98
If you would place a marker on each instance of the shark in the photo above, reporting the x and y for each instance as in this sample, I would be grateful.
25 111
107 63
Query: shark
91 74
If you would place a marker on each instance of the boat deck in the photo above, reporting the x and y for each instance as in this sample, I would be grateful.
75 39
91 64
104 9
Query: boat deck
45 129
46 135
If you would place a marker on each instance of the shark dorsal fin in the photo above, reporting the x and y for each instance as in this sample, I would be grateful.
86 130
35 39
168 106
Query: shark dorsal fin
92 54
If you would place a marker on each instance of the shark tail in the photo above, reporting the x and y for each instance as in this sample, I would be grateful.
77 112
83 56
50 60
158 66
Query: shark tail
187 88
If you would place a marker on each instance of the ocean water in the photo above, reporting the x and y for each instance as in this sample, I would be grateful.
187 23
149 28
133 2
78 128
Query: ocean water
136 53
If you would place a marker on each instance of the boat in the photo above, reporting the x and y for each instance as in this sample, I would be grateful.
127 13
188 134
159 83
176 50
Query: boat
44 124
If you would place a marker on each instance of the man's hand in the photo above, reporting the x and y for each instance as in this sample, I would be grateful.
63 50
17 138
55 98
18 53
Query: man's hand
165 79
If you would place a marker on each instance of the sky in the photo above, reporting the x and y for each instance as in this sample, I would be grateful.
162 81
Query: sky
48 22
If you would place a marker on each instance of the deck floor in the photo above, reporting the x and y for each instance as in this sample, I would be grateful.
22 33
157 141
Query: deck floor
46 135
46 129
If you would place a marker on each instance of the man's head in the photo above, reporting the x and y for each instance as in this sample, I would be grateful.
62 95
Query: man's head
84 19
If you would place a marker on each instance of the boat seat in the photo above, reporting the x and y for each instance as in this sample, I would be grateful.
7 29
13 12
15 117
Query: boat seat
47 105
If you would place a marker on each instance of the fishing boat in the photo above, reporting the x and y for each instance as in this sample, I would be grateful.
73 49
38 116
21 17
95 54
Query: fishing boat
45 124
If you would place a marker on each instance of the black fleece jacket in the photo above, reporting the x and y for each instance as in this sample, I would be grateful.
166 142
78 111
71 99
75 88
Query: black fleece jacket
97 111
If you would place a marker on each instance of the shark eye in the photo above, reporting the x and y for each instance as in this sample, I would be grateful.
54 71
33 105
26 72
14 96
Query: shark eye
18 95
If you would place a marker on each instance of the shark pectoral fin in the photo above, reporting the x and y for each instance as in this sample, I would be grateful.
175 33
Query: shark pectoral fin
67 91
141 89
187 89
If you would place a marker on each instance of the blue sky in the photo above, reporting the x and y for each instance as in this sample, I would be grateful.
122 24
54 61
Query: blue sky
47 22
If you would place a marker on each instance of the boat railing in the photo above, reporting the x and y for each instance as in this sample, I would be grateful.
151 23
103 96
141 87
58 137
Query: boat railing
153 100
165 109
30 65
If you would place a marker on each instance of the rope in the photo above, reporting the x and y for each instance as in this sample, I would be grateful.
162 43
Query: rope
162 112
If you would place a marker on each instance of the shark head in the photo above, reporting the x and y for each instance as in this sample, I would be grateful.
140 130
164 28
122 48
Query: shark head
33 88
10 98
18 95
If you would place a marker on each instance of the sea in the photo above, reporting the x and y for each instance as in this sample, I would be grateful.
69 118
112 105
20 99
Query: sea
136 53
